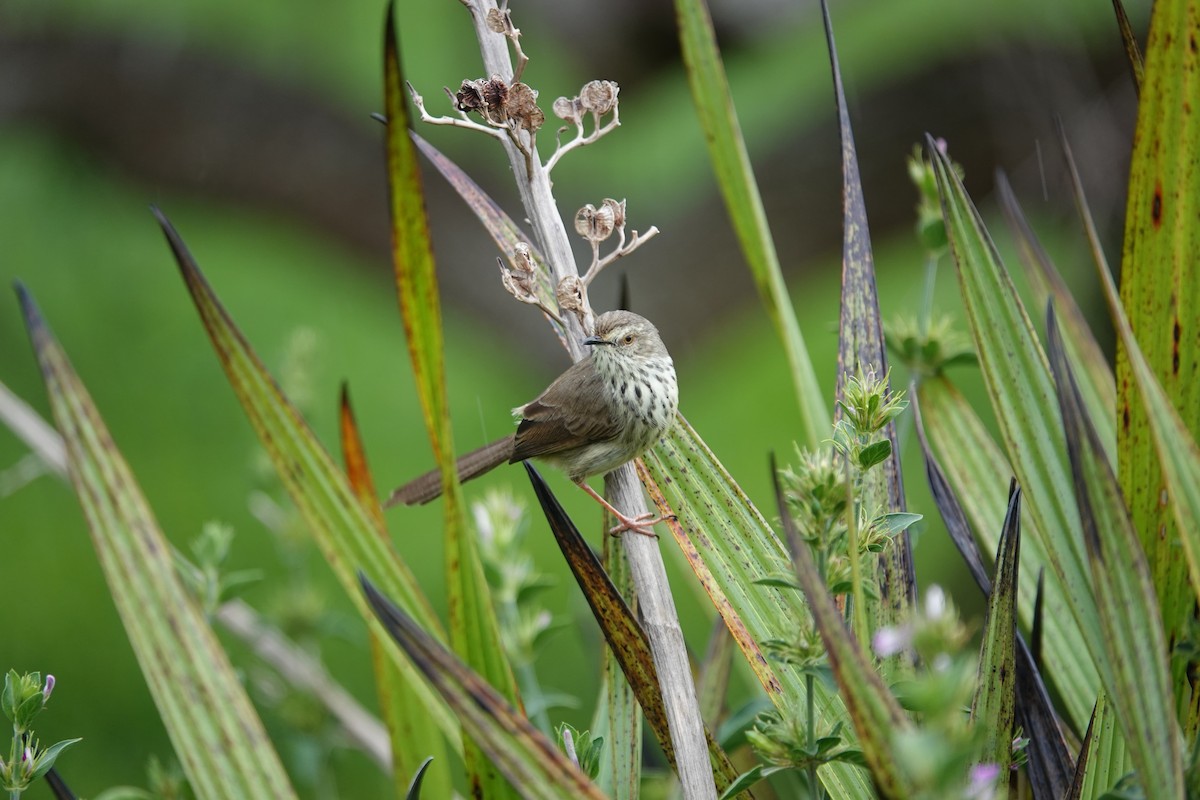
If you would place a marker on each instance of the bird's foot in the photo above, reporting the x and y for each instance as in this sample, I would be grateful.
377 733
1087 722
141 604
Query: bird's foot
642 524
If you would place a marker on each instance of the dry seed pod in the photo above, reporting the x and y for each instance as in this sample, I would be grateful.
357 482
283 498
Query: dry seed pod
523 258
570 294
470 96
599 97
617 209
568 109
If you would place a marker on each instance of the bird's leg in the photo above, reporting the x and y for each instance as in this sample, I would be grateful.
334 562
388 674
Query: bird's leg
639 524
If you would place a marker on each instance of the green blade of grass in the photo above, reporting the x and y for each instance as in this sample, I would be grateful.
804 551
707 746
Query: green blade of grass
1160 270
527 759
213 727
1136 673
731 163
341 526
995 697
731 548
413 752
1022 394
474 630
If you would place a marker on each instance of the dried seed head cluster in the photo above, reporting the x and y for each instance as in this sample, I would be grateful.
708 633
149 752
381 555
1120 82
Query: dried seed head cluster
597 224
501 104
596 98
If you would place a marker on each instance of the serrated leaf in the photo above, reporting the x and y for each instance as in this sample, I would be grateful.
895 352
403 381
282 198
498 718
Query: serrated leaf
211 723
519 751
735 177
994 707
1135 670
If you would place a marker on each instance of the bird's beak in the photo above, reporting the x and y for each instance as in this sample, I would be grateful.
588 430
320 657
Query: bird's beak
591 340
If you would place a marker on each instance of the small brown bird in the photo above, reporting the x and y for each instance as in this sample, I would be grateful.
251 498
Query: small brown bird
605 410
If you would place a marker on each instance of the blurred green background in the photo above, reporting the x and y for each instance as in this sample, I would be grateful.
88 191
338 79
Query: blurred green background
248 124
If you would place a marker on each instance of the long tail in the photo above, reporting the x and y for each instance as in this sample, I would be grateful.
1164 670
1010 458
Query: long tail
429 486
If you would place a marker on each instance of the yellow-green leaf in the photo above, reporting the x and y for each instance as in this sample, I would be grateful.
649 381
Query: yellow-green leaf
731 163
213 727
1135 670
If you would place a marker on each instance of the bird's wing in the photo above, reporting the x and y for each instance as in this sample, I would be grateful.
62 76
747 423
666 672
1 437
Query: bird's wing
572 412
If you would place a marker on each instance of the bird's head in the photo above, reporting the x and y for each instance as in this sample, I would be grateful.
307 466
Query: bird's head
624 334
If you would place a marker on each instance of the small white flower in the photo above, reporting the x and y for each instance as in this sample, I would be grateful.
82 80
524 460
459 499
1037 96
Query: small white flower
935 602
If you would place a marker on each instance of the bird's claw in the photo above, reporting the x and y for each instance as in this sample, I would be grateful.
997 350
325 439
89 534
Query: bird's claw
642 524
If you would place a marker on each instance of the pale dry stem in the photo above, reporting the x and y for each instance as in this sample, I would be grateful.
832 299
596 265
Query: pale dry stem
622 249
581 139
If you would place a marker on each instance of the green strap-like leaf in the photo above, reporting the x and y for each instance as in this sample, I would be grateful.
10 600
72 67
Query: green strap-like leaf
1135 671
518 750
995 697
474 630
414 753
1095 375
731 549
731 163
213 727
342 528
1022 395
1103 759
978 472
1160 273
1049 762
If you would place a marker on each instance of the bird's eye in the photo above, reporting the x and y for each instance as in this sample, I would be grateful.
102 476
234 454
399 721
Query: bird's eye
628 338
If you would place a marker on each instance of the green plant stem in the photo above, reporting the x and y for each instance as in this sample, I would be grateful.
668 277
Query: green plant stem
531 690
931 265
858 598
814 786
527 679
